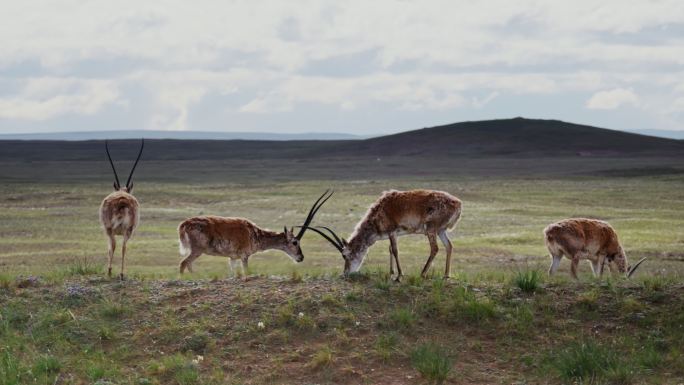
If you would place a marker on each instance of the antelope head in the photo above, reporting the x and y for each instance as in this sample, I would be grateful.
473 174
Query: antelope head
129 184
353 256
292 241
620 261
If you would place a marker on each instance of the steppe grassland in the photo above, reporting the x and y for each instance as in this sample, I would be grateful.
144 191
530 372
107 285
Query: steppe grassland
45 227
499 319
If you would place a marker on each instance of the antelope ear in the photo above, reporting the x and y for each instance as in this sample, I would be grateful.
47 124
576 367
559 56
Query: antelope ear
115 187
344 242
130 189
285 230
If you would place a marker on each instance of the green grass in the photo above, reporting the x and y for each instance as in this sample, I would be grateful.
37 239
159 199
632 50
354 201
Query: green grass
176 369
197 343
402 318
528 281
386 345
10 370
114 310
585 362
323 357
465 305
432 362
76 323
192 328
46 367
501 224
84 266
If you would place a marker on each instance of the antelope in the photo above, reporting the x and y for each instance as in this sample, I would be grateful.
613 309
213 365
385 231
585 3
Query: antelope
397 213
120 212
239 238
581 238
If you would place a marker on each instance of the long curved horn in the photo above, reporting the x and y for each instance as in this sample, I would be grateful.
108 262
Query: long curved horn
116 177
314 209
629 274
130 176
322 234
340 241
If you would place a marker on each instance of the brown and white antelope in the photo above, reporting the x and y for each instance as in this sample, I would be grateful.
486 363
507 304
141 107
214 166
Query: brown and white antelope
398 213
581 238
120 212
239 238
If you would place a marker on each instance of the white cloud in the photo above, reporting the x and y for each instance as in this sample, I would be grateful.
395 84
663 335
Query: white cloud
175 92
612 99
46 98
678 104
481 102
420 57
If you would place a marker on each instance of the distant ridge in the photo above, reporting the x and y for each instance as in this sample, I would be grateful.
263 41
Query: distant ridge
518 137
182 135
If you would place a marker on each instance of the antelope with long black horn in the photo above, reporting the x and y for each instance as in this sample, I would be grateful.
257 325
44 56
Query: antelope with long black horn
120 212
239 238
397 213
591 239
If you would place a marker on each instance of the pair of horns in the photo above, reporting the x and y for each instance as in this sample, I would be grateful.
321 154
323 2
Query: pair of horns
117 184
633 269
338 242
314 209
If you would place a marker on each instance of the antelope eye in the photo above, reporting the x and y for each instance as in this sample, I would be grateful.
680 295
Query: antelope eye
295 243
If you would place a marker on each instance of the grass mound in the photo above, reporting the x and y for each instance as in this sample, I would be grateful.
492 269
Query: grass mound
432 362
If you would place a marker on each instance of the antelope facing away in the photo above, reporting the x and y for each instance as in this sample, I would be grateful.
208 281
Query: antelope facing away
238 238
120 212
581 238
398 213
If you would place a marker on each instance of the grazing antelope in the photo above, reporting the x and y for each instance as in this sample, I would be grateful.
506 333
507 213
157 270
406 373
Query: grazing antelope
238 238
591 239
120 212
398 213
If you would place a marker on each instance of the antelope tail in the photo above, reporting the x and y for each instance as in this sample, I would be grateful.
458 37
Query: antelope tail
454 219
183 241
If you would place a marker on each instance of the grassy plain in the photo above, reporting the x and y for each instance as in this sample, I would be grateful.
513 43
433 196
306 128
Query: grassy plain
45 226
496 321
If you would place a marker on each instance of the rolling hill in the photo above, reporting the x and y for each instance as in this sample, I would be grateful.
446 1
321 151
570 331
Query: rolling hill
516 137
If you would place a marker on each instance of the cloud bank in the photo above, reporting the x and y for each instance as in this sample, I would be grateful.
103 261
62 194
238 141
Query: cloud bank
360 67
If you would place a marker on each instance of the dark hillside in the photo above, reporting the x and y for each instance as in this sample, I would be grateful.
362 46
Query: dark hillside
518 136
509 137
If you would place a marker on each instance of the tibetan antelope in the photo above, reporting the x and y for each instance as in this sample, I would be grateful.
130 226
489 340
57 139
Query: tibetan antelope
239 238
398 213
581 238
120 212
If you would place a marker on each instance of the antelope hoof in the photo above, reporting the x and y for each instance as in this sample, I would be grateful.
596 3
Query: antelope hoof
121 277
398 278
109 273
446 278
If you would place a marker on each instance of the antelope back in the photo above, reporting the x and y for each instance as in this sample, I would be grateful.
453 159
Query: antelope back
415 209
219 234
120 211
577 234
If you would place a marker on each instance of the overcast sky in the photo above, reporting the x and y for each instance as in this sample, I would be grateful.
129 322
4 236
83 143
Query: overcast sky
362 67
